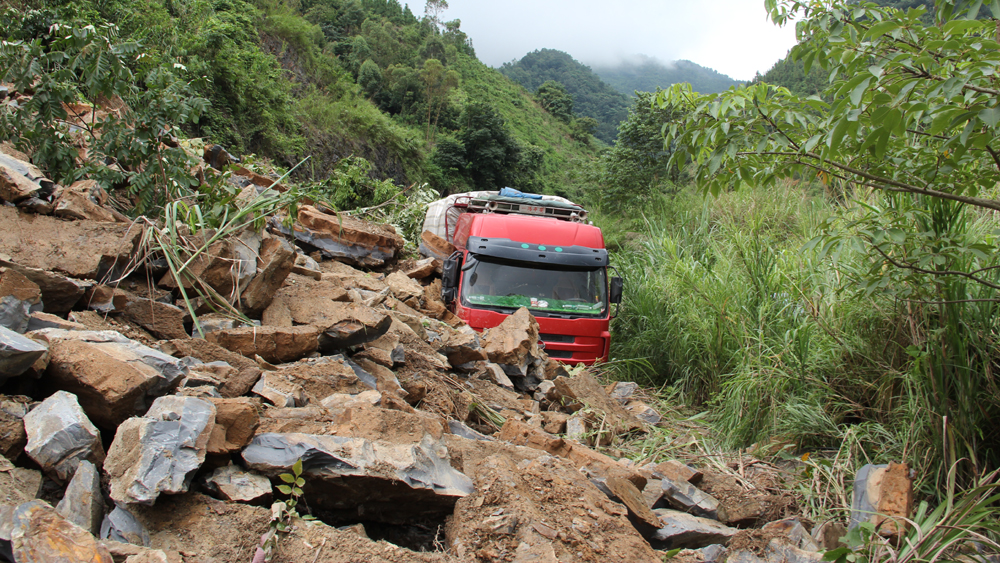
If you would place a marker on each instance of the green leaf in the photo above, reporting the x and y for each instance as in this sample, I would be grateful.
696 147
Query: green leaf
990 116
285 489
297 467
882 28
287 477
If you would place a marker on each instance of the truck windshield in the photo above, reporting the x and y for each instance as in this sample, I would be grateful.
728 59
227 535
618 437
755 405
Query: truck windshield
506 284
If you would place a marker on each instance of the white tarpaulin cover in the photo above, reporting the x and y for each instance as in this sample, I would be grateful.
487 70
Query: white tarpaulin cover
442 209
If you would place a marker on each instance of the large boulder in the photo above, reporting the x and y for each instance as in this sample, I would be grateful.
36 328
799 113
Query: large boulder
682 530
161 451
60 436
343 237
351 477
113 377
78 249
277 258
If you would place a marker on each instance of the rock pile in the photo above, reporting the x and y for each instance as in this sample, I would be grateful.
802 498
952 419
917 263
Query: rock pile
126 436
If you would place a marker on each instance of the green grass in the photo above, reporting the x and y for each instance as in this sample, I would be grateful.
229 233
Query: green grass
730 307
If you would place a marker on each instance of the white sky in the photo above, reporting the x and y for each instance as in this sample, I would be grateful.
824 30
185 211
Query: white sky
733 37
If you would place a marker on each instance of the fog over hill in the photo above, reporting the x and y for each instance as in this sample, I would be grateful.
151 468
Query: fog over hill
644 74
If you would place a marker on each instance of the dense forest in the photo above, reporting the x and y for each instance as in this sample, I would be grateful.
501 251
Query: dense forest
592 97
646 74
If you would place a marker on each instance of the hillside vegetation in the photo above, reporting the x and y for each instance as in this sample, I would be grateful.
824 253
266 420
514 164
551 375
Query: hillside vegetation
646 74
330 79
592 97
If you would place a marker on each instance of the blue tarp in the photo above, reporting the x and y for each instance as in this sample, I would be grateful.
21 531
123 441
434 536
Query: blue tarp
511 192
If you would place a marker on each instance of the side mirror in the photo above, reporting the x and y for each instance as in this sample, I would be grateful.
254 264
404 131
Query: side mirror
616 290
449 277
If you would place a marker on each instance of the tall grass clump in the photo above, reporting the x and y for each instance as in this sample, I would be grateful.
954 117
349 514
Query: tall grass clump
784 313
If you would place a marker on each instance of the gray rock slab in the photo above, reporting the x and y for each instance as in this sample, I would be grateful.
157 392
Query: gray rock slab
776 552
17 353
60 436
353 476
82 503
120 525
460 429
685 496
682 530
161 451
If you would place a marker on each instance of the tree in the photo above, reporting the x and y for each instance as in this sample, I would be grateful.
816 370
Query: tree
370 77
433 10
553 98
438 81
633 169
492 155
914 120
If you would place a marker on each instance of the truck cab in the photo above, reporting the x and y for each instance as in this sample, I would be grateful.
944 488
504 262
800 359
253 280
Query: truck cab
545 258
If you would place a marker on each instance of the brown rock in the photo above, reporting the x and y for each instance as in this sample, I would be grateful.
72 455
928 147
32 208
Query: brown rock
273 344
279 390
554 422
895 499
582 457
75 202
434 246
14 186
276 262
220 266
348 278
18 485
236 420
423 268
111 376
40 320
163 321
514 342
584 389
106 299
59 293
347 238
19 297
40 533
78 249
304 301
247 371
677 471
642 516
403 287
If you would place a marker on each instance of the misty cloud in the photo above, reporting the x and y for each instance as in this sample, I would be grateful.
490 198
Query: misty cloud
733 37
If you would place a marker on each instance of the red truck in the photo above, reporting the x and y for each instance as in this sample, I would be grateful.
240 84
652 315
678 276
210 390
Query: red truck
541 254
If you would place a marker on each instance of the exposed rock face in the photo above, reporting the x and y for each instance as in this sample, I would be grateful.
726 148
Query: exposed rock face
385 481
17 353
236 420
276 261
303 300
159 452
59 293
273 344
247 370
79 249
19 298
61 437
582 457
82 503
162 320
113 377
684 530
345 238
40 533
